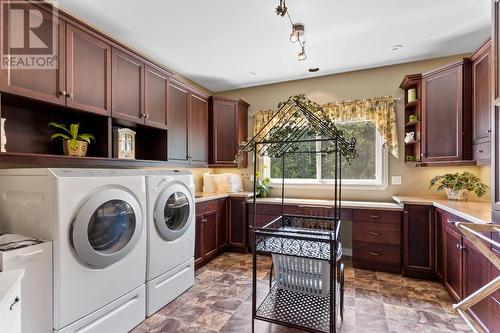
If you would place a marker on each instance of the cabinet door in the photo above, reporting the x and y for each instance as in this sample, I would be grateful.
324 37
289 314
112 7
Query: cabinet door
222 225
440 221
177 115
198 129
477 272
47 85
495 75
155 97
453 260
238 224
199 243
210 235
442 104
481 101
128 93
418 249
88 71
225 125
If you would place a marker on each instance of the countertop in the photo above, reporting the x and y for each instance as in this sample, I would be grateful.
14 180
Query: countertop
329 203
7 282
204 196
472 211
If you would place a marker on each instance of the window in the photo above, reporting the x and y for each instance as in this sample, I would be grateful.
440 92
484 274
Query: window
366 169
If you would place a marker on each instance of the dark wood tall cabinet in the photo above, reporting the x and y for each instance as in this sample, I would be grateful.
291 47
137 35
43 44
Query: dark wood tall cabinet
418 241
481 104
228 128
447 113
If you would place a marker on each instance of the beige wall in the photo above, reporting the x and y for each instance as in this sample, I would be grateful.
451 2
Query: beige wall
349 86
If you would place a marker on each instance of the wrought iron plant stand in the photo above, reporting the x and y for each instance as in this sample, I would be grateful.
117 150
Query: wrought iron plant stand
307 292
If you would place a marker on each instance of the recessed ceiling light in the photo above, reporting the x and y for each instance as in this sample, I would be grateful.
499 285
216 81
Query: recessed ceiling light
253 73
396 47
313 69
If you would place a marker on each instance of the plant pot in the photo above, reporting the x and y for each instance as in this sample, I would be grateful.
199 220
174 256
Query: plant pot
80 150
456 195
264 194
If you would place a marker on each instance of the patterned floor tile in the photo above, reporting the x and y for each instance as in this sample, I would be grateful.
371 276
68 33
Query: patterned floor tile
375 302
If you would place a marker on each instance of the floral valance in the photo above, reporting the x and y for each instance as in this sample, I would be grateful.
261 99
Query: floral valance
380 110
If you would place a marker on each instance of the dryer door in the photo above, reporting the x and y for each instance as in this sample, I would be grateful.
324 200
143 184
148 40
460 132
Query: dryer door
107 227
174 211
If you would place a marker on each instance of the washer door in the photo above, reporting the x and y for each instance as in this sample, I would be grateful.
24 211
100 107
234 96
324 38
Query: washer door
174 210
107 227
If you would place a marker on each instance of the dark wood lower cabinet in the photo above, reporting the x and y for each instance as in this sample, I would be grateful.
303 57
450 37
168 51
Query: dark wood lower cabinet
418 239
206 248
222 224
438 243
453 277
238 224
477 273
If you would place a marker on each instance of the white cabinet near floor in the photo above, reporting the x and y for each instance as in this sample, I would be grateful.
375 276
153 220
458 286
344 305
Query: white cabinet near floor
10 301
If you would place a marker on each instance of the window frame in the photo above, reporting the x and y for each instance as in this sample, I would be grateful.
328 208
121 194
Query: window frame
380 181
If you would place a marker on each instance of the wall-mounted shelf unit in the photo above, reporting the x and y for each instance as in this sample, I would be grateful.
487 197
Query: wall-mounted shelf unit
413 81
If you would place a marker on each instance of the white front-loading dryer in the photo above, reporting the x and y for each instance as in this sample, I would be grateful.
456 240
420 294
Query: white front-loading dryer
96 220
171 236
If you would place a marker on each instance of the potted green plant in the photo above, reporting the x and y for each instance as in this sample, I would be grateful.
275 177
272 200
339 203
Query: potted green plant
263 187
457 185
74 143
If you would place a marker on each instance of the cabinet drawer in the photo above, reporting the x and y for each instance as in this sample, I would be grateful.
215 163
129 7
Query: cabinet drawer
10 310
386 216
481 151
206 206
372 253
376 232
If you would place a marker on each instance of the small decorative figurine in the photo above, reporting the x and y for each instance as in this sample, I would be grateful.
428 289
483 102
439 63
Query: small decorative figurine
410 137
124 143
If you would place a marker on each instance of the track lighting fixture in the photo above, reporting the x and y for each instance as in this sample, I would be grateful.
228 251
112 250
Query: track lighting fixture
281 10
297 32
302 54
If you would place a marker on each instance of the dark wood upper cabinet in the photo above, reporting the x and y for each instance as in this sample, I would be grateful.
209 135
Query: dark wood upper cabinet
198 129
453 247
418 241
48 85
177 117
481 103
128 87
477 272
228 128
88 71
155 97
446 113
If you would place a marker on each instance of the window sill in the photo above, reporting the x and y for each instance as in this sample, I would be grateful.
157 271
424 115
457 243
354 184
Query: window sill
323 186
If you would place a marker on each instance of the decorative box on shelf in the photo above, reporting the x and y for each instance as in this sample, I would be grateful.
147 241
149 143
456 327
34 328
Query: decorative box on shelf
3 136
124 143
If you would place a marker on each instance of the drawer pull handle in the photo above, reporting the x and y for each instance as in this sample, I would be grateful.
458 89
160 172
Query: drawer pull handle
480 151
374 253
374 233
15 303
460 247
374 216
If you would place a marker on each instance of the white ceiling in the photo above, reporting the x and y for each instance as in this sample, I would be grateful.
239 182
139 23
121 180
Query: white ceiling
217 43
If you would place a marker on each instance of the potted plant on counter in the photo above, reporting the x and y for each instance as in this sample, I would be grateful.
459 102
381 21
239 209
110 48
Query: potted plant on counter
457 185
74 143
263 187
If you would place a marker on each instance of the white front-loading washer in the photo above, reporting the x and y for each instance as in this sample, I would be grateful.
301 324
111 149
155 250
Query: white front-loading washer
96 221
171 236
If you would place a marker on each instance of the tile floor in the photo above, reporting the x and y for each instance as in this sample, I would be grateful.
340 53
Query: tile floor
220 301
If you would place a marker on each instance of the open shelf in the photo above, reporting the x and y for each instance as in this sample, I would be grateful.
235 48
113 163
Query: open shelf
412 104
412 143
412 123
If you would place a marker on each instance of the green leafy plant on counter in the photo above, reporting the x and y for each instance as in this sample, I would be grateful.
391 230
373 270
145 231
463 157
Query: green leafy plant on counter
74 143
263 186
458 183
